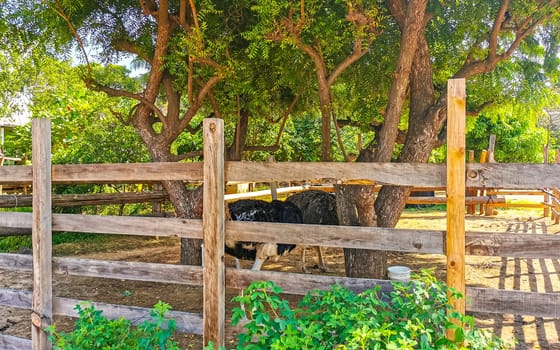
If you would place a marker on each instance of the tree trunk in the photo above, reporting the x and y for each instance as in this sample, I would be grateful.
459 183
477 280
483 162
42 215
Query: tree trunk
325 105
414 70
412 27
235 152
187 204
354 206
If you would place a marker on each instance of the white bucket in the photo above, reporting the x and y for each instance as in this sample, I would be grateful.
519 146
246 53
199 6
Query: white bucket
398 273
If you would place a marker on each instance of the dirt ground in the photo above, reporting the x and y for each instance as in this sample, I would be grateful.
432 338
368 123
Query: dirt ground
537 275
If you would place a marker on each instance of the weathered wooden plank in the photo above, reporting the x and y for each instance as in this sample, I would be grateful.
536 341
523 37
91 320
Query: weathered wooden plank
480 175
16 220
516 245
22 262
404 240
126 173
468 200
513 176
142 226
336 236
4 231
498 301
213 231
41 315
376 238
108 173
186 322
126 270
478 299
17 174
403 174
9 342
188 275
123 270
300 284
128 225
70 200
15 298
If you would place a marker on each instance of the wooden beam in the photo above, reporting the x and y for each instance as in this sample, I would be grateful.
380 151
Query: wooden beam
213 220
471 207
108 173
186 322
499 301
400 174
273 184
41 315
485 175
468 200
74 200
124 225
9 342
455 239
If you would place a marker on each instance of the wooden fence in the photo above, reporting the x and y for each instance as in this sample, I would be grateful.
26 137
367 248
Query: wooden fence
214 277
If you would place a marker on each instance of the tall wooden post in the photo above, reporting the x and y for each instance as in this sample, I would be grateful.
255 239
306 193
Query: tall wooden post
213 218
455 239
482 192
41 316
273 184
471 208
546 199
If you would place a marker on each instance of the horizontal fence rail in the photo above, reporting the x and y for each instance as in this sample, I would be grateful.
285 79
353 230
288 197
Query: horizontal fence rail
376 238
480 175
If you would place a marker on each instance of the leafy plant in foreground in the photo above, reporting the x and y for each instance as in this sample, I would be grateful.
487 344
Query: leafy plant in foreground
415 315
94 331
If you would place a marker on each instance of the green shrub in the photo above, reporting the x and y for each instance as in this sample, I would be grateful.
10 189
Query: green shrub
94 331
414 315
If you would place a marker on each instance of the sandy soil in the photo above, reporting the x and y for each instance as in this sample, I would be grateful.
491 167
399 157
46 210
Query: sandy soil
538 275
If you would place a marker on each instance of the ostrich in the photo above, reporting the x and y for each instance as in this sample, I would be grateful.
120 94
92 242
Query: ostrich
257 210
317 207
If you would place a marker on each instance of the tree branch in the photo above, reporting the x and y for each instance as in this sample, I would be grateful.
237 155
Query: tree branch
197 102
60 11
183 156
129 46
356 54
496 29
122 93
522 31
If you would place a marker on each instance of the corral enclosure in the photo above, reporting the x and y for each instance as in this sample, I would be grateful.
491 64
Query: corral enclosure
213 229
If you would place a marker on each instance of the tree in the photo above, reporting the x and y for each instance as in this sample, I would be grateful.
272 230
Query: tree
476 37
85 128
158 34
332 35
501 29
189 53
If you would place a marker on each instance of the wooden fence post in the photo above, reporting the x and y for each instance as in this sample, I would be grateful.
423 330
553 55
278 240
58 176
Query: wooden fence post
41 315
489 208
213 223
471 208
273 184
482 192
455 238
546 198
